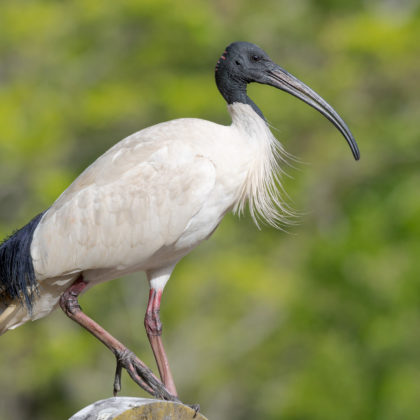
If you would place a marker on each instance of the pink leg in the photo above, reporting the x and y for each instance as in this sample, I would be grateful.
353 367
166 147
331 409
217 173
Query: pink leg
154 332
137 370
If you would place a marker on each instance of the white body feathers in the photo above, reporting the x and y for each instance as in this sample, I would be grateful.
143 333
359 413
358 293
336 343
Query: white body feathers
149 200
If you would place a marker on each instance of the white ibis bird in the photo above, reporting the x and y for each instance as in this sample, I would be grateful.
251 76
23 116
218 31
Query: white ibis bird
146 203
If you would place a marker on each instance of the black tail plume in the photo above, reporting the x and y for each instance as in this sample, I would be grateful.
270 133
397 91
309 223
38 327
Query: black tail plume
17 275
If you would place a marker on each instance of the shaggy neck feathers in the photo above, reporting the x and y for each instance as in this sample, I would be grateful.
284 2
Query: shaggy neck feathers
262 188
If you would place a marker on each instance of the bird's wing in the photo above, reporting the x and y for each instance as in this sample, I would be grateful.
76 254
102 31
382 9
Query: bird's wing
134 201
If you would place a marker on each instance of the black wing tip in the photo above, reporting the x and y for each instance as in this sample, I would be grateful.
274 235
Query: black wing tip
17 276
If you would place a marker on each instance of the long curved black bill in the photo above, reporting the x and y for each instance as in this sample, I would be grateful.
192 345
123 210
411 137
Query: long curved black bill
281 79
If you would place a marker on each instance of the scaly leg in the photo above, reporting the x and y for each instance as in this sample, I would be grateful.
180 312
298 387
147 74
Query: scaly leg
154 332
126 359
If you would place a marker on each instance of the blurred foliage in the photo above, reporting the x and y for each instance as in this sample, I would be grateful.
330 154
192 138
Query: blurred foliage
318 323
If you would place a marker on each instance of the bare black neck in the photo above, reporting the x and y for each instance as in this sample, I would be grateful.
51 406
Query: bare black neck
234 89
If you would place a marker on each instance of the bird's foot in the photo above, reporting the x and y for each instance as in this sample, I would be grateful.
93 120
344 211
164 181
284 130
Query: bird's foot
141 375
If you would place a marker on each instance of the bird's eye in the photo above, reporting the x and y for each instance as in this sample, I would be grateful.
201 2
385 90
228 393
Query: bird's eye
256 58
238 63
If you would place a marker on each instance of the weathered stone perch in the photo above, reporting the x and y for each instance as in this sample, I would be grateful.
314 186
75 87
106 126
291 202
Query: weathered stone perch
131 408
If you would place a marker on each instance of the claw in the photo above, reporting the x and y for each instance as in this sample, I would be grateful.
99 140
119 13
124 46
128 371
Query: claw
196 408
117 379
140 374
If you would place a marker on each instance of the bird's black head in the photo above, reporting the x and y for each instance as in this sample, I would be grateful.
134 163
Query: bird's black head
242 63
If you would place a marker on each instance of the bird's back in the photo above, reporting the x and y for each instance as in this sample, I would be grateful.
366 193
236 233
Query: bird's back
124 213
129 205
142 205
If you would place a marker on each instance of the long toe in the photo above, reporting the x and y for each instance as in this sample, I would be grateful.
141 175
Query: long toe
143 376
147 375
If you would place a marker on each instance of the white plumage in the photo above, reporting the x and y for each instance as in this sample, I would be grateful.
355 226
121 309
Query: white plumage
150 199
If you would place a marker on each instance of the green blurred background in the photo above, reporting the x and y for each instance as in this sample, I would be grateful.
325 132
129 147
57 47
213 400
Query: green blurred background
321 322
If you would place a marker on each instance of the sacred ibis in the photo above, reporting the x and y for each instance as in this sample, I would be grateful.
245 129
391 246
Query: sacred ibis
147 202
